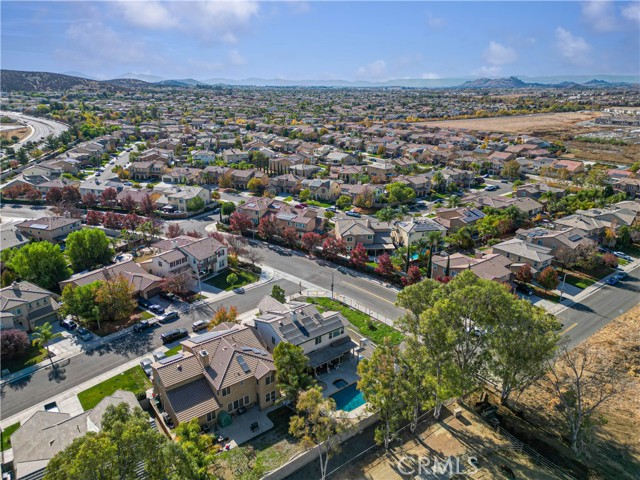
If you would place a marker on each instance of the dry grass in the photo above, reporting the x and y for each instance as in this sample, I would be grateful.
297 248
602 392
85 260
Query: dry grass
615 450
20 132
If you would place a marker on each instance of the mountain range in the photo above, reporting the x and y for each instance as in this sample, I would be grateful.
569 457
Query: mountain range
14 80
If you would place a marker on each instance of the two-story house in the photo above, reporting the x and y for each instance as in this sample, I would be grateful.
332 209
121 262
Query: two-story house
25 306
375 237
519 252
233 155
405 233
51 229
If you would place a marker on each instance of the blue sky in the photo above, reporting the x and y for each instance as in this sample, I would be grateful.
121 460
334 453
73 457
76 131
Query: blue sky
322 40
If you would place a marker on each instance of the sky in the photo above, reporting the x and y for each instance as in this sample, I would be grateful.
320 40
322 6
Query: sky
322 40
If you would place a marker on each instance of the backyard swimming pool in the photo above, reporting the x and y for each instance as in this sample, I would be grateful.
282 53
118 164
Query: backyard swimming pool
348 399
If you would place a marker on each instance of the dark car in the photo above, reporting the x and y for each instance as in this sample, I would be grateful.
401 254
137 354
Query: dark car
612 280
68 324
83 334
173 335
524 288
167 317
156 309
142 326
170 296
143 302
238 290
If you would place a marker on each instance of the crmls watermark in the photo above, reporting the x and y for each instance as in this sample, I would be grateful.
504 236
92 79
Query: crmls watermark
436 466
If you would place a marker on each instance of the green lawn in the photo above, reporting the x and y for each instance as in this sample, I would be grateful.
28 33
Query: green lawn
132 380
32 356
288 199
244 278
173 351
376 331
6 436
577 280
144 315
318 204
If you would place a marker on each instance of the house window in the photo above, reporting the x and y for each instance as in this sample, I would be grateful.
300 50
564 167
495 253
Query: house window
319 340
211 416
226 391
349 239
369 237
230 407
273 340
271 396
246 399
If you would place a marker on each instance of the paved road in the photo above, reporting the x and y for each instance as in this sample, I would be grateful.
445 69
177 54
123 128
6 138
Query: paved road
41 128
42 385
587 317
9 211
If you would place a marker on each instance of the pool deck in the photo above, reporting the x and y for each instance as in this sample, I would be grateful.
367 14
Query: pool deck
348 372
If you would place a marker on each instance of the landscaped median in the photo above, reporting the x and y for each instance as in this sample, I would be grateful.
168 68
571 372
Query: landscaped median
133 380
367 326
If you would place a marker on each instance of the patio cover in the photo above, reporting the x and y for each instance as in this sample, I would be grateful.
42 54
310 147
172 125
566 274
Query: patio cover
333 351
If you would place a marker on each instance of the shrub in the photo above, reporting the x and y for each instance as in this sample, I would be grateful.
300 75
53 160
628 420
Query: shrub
140 395
13 343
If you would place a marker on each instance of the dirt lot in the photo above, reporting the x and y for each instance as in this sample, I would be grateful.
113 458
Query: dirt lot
460 437
615 452
19 132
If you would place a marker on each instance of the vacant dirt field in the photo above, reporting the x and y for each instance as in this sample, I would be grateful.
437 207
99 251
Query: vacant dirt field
19 132
528 124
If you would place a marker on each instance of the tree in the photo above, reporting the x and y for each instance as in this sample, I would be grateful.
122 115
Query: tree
42 336
582 382
624 237
290 236
87 248
147 205
318 425
115 297
177 282
635 167
193 234
232 278
195 204
131 221
413 276
174 230
41 263
305 194
196 447
89 200
462 238
380 385
520 345
127 203
365 199
13 343
292 371
610 260
385 266
524 274
398 192
566 257
344 202
227 208
240 222
548 279
80 302
109 196
278 293
333 248
359 256
310 241
453 201
54 196
511 170
268 227
224 315
255 185
94 217
112 220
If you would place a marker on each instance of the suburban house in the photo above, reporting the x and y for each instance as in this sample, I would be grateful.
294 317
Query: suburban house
519 251
51 229
25 306
381 172
302 220
304 170
285 183
182 175
204 156
536 190
45 434
455 218
216 374
409 232
201 257
181 197
147 170
144 283
374 236
233 155
630 186
490 266
322 189
322 336
570 238
421 184
570 166
256 208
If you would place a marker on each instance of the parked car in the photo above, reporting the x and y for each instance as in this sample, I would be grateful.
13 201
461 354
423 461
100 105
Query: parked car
491 188
622 275
331 209
352 213
167 317
173 335
238 290
157 356
524 288
612 280
170 296
200 325
68 324
156 309
504 181
145 363
142 326
84 334
215 211
128 184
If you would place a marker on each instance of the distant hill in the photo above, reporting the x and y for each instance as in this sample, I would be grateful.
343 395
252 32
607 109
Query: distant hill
128 82
514 82
12 80
511 82
141 76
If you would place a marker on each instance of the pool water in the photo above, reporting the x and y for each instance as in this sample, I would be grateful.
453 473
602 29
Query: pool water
340 383
349 398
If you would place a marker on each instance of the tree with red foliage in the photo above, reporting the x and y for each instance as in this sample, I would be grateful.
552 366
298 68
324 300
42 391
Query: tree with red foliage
147 205
71 194
413 276
177 282
610 260
132 221
193 234
240 222
524 274
13 343
333 248
219 237
445 279
359 257
290 236
127 203
548 279
89 200
385 266
11 192
94 217
109 196
174 230
310 241
54 196
268 227
31 193
112 220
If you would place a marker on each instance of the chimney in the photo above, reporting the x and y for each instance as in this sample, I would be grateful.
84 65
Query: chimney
204 358
479 254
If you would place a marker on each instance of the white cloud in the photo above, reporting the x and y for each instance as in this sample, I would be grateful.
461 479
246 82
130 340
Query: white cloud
632 12
573 48
599 15
374 70
235 58
430 76
210 22
487 71
435 22
497 54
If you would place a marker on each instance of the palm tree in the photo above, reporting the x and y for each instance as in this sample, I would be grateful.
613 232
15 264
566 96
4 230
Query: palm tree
401 212
421 246
435 238
43 336
437 180
453 201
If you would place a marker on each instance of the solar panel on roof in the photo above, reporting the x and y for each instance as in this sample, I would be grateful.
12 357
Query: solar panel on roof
575 237
39 226
243 364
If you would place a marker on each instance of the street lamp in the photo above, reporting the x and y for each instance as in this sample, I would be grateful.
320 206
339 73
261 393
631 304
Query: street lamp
564 279
332 278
